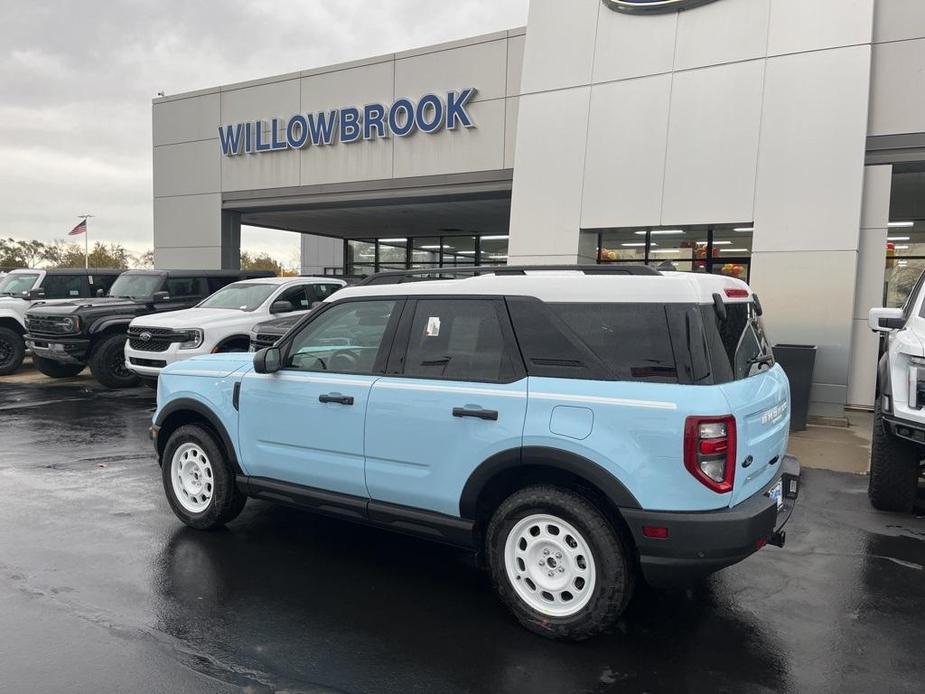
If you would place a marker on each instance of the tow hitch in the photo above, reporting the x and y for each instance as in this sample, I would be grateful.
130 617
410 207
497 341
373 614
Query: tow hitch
778 539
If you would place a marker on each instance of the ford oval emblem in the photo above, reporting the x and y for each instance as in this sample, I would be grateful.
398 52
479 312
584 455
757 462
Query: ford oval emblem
653 6
145 336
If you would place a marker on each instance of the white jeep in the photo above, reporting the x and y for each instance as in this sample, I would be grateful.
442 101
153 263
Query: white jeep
898 441
220 323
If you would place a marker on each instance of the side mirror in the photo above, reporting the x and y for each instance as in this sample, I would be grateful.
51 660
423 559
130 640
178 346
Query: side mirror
883 320
281 307
268 360
36 294
159 297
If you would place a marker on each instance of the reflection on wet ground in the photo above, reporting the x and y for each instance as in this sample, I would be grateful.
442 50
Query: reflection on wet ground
102 589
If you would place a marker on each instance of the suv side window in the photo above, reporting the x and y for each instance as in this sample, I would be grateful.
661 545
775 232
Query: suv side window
103 282
184 287
457 339
216 283
347 338
65 286
297 297
320 292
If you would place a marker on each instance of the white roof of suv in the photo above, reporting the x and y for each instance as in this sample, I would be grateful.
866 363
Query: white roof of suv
284 280
565 286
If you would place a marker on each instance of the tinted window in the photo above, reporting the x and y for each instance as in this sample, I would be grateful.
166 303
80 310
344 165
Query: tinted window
344 339
98 282
632 340
216 283
458 339
743 339
320 292
183 287
65 286
298 298
135 286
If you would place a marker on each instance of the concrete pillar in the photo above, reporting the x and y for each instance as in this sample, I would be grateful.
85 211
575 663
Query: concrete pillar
231 240
875 216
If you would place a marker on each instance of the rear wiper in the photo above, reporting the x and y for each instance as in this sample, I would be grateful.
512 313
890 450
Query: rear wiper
764 359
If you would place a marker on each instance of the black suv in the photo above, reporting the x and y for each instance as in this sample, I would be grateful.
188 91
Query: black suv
67 336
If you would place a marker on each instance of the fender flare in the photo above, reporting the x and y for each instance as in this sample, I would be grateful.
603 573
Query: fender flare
555 458
107 323
884 380
223 341
203 410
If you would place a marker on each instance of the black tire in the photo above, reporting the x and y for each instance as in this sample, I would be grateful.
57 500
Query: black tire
55 369
614 568
12 351
107 363
894 469
227 501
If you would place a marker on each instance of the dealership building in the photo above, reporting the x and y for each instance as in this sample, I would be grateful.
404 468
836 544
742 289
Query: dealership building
780 141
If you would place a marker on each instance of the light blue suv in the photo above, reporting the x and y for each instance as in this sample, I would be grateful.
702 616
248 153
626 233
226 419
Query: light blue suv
578 427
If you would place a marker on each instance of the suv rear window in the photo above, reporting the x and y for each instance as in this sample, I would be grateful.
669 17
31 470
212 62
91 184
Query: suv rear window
738 341
631 339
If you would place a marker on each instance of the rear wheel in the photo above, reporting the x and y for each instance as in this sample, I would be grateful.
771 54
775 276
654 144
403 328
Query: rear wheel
12 351
55 369
894 469
199 480
558 563
107 362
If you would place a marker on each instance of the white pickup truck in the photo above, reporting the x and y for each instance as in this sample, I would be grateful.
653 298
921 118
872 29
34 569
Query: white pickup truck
22 289
220 323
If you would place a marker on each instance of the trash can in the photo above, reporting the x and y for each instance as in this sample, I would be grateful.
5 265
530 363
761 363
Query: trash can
797 361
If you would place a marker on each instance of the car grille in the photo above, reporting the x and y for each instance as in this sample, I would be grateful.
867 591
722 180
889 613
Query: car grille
159 340
44 326
262 340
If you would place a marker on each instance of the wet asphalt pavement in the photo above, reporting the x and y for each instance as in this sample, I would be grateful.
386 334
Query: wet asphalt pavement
103 590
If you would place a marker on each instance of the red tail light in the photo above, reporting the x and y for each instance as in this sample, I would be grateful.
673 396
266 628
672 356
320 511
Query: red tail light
736 293
710 451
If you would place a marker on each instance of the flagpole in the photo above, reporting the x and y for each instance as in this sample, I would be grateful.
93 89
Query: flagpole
86 217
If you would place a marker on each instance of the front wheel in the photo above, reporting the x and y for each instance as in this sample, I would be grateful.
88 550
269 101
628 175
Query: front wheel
198 479
107 363
558 563
894 469
12 351
55 369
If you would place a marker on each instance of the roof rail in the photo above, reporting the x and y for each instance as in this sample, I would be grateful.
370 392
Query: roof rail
444 273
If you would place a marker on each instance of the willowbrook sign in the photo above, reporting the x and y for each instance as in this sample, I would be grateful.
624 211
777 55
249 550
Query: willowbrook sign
430 114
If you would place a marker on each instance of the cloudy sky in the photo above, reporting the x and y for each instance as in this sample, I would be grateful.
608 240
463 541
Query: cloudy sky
77 79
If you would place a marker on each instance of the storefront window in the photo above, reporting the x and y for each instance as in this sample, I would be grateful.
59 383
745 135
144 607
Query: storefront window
493 249
720 249
366 256
905 260
458 250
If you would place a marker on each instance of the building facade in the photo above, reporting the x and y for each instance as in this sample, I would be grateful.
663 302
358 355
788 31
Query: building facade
780 141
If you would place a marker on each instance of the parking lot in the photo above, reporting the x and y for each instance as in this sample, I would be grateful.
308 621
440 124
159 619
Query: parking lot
102 588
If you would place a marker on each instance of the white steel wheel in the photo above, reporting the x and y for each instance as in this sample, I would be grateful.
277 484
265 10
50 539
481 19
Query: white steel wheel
550 565
191 477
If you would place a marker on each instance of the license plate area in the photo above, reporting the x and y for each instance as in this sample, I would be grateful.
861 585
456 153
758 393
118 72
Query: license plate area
776 494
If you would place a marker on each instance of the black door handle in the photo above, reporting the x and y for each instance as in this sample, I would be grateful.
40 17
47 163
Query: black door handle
478 414
336 397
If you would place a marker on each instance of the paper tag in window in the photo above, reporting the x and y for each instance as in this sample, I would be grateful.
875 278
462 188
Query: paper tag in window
433 327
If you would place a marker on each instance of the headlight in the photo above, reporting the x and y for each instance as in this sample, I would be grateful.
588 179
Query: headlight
193 339
70 325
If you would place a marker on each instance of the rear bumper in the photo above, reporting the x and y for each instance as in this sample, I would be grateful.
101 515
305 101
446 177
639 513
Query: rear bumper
702 542
67 350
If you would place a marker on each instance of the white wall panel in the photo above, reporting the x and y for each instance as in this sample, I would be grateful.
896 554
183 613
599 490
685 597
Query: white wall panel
548 172
266 101
560 44
807 25
189 168
482 65
722 32
254 171
897 98
455 151
811 155
185 120
865 353
897 20
515 63
624 171
188 220
200 258
511 108
713 144
633 46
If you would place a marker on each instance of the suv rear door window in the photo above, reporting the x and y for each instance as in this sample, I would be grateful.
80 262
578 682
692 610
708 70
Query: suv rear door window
184 287
743 340
457 339
631 339
65 286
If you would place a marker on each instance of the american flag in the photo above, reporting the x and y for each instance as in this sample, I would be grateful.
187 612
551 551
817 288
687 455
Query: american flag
79 229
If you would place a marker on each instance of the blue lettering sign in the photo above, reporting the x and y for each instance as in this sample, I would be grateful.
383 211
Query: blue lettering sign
430 114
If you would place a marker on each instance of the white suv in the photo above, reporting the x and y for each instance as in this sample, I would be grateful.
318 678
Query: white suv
220 323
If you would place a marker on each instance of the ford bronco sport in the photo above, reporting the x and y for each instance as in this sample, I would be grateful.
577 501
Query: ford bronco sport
69 335
578 427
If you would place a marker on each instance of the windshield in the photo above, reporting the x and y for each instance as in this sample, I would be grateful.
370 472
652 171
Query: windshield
15 284
243 296
135 286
